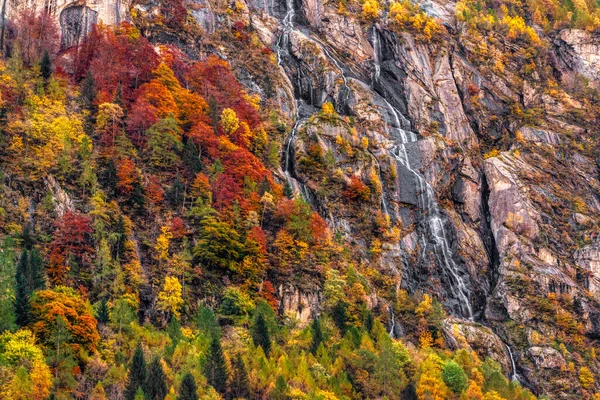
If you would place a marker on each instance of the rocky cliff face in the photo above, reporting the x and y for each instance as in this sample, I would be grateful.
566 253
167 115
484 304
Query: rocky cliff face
75 18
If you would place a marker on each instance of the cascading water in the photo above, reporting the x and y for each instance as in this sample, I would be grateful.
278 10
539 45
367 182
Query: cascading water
514 375
434 222
393 322
288 26
288 156
376 53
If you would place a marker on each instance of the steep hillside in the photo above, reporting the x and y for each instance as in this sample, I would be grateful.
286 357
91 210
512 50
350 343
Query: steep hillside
299 199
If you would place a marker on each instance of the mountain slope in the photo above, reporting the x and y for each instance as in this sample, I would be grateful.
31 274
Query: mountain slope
343 159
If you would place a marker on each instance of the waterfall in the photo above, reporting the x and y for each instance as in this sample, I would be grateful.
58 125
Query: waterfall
288 26
384 205
428 204
514 375
376 53
288 155
393 322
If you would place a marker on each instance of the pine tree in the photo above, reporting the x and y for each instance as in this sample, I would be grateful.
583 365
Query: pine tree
8 269
176 193
121 232
87 94
156 385
139 394
260 334
287 190
240 387
37 271
22 295
338 314
190 157
137 373
317 336
46 67
174 331
102 314
61 358
215 369
188 388
369 321
280 392
206 322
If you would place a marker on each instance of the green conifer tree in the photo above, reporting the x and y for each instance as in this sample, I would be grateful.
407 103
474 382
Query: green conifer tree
281 389
87 93
46 67
188 389
102 314
22 293
317 336
37 272
215 369
260 334
240 387
137 373
156 385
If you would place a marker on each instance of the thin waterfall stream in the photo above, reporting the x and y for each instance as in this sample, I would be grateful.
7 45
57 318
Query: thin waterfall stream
426 199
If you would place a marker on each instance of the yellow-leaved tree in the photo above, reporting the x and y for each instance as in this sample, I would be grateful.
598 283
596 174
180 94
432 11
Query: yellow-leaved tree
48 138
162 243
371 9
169 298
229 121
25 374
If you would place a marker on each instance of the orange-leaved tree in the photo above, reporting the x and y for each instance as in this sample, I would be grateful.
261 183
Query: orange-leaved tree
64 302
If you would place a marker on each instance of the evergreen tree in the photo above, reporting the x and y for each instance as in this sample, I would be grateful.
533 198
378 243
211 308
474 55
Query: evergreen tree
61 357
8 285
37 272
215 369
188 388
137 373
22 293
176 192
139 394
287 190
317 336
121 232
338 314
191 158
240 387
156 385
46 67
207 322
102 314
108 176
369 321
87 93
174 331
260 334
280 392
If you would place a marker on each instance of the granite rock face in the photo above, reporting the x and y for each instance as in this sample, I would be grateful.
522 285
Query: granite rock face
578 51
75 18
